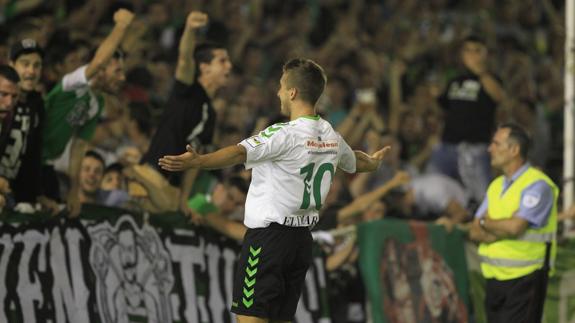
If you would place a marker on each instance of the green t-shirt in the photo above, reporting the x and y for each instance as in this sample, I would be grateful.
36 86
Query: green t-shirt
72 109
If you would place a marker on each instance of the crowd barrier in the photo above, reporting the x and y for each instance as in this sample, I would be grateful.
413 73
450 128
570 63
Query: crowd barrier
110 265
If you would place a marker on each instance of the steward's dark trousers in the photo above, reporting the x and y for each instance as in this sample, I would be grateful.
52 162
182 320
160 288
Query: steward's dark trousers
517 300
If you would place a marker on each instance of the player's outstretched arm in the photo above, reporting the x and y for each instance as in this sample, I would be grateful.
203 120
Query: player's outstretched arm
225 157
369 163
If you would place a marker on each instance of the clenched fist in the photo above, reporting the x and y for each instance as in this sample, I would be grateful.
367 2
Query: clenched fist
123 17
196 19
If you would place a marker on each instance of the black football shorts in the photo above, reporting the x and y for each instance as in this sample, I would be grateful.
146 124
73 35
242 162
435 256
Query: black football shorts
271 271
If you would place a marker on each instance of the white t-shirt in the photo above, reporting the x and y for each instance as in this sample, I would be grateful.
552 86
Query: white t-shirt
431 200
293 167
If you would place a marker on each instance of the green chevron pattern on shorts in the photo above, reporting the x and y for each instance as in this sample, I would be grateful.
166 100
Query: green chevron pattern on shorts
255 252
250 278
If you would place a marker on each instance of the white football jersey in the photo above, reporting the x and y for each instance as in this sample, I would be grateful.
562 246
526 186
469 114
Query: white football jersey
293 166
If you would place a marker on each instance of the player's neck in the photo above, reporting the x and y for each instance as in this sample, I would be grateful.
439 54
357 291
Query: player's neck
299 110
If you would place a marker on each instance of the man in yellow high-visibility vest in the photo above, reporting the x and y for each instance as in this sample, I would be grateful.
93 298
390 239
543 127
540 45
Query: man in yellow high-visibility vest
516 226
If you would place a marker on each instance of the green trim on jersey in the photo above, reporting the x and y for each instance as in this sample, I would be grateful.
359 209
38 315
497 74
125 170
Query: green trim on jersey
271 130
316 117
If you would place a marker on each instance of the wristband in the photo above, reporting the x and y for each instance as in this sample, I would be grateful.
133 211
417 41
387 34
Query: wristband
482 223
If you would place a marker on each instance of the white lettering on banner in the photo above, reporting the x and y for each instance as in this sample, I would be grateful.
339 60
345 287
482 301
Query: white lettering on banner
7 248
216 300
320 272
30 290
229 261
304 313
119 271
133 272
203 307
70 295
188 256
312 295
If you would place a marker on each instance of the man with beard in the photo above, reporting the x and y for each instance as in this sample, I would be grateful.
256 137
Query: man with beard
189 117
131 298
74 105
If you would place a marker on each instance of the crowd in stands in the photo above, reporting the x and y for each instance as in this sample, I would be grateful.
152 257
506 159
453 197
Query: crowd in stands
103 86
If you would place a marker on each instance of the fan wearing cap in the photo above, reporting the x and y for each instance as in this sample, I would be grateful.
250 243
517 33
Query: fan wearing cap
20 157
74 105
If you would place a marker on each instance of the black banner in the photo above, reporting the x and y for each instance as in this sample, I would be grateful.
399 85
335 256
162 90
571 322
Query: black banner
111 266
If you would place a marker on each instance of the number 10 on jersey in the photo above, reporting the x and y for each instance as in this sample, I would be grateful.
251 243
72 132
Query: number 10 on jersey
312 183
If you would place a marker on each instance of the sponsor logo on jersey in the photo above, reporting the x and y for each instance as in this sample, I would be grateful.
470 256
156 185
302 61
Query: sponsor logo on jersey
321 147
317 144
254 141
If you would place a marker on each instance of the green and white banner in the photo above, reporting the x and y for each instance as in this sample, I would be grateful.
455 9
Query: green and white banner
109 266
414 272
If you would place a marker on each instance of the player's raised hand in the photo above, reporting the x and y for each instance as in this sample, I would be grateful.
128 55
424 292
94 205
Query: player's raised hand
196 19
189 159
123 17
380 154
369 163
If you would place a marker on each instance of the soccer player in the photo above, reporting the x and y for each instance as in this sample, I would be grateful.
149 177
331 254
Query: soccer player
293 165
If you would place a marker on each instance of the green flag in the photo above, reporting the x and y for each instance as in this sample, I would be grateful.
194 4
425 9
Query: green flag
413 271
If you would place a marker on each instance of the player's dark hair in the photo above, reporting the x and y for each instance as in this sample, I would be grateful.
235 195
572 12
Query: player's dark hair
307 77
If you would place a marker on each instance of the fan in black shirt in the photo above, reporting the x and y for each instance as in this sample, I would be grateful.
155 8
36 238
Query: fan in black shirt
470 103
21 146
188 118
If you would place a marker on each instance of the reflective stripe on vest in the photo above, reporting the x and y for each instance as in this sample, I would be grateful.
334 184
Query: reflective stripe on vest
537 237
500 262
519 256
